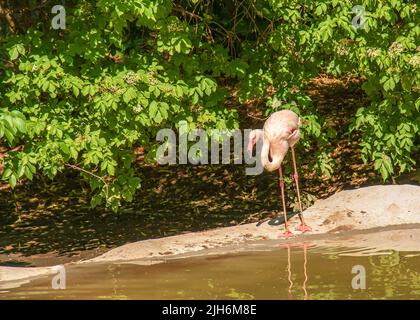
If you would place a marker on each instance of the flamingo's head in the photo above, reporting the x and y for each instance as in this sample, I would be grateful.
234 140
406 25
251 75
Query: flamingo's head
292 133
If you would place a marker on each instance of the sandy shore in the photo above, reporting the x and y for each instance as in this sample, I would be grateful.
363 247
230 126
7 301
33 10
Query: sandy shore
360 209
379 217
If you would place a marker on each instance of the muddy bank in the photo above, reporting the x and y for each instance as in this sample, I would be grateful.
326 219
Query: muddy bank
360 209
404 237
352 218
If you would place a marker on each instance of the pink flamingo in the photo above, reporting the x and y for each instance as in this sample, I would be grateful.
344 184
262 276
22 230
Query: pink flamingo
280 132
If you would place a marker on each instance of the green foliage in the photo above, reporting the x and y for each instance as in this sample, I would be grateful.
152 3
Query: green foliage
11 125
85 96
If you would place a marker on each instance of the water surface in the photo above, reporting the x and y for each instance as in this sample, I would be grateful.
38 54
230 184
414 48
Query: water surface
286 272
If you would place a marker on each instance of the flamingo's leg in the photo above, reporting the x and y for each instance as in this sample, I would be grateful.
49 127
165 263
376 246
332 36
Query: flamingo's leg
303 227
287 232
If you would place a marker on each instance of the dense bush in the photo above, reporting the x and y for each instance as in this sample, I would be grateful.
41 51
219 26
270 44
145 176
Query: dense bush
84 96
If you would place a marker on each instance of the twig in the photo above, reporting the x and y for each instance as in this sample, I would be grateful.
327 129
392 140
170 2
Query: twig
92 174
257 118
185 12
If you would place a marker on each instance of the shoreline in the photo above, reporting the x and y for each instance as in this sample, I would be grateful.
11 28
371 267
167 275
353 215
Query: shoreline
349 210
381 217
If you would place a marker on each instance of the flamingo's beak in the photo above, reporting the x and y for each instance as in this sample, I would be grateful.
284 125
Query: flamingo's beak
250 147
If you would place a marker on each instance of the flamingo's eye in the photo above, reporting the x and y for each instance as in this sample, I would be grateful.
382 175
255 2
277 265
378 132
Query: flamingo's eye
293 130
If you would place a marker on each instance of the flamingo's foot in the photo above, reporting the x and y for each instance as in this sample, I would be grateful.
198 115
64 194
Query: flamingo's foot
287 234
303 227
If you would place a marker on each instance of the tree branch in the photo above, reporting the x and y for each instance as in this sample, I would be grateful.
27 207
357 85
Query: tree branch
6 15
92 174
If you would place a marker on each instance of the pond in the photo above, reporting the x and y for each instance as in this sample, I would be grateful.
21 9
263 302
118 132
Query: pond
298 271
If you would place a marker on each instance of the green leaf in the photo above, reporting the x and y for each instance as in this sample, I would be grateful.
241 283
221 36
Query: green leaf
110 169
76 91
65 148
153 108
21 171
195 98
96 200
129 95
7 173
20 124
13 53
28 173
9 136
12 181
85 90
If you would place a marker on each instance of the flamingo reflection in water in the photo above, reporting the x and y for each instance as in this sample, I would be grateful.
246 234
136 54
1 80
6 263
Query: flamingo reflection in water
305 271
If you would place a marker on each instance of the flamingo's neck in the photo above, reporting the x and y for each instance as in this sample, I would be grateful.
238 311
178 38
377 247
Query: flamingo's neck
276 159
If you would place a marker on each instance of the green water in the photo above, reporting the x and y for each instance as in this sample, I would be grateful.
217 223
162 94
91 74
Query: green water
298 272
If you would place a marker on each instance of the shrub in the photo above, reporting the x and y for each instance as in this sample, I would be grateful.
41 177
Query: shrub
83 97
